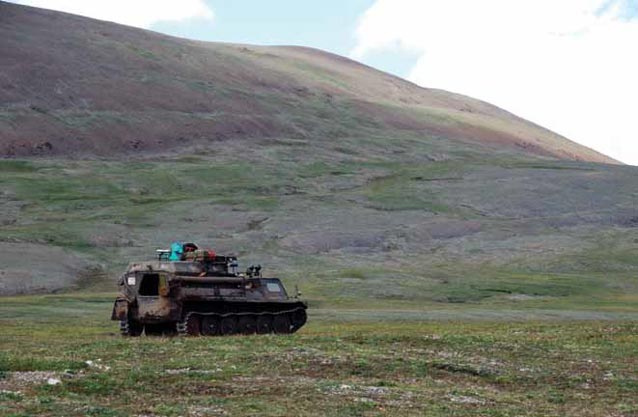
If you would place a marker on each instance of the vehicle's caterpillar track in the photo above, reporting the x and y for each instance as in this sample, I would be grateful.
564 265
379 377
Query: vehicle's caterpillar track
129 327
197 323
191 292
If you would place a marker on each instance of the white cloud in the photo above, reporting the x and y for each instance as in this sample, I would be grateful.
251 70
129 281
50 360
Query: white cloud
569 65
140 13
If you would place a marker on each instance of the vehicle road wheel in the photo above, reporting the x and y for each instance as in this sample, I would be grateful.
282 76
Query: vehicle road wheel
281 324
247 325
130 327
170 330
264 324
210 326
194 325
229 326
154 329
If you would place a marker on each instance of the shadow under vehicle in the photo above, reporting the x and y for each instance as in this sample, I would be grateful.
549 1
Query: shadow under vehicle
202 294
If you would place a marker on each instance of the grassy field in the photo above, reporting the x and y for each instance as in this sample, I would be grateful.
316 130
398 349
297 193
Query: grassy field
464 286
353 222
470 285
455 287
345 362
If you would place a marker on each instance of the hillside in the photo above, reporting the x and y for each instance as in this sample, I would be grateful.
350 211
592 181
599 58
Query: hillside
352 183
74 86
457 260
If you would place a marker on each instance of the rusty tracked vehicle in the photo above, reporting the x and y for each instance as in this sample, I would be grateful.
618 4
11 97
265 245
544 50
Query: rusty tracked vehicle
202 294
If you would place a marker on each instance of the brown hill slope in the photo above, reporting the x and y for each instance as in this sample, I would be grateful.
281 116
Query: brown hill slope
70 85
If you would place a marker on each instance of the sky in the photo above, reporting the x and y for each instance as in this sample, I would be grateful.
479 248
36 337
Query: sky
568 65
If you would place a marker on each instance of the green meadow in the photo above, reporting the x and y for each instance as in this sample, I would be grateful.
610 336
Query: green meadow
61 356
464 286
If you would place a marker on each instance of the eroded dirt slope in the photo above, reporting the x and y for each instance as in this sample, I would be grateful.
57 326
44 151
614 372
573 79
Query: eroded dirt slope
70 85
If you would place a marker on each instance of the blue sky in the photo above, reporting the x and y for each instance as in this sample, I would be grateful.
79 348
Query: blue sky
627 9
277 22
329 25
568 65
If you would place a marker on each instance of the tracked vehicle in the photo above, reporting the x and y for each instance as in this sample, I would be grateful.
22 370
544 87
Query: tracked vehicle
196 292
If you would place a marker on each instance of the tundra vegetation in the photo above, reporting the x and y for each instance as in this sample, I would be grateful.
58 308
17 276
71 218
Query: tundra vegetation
457 259
436 287
60 356
475 305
